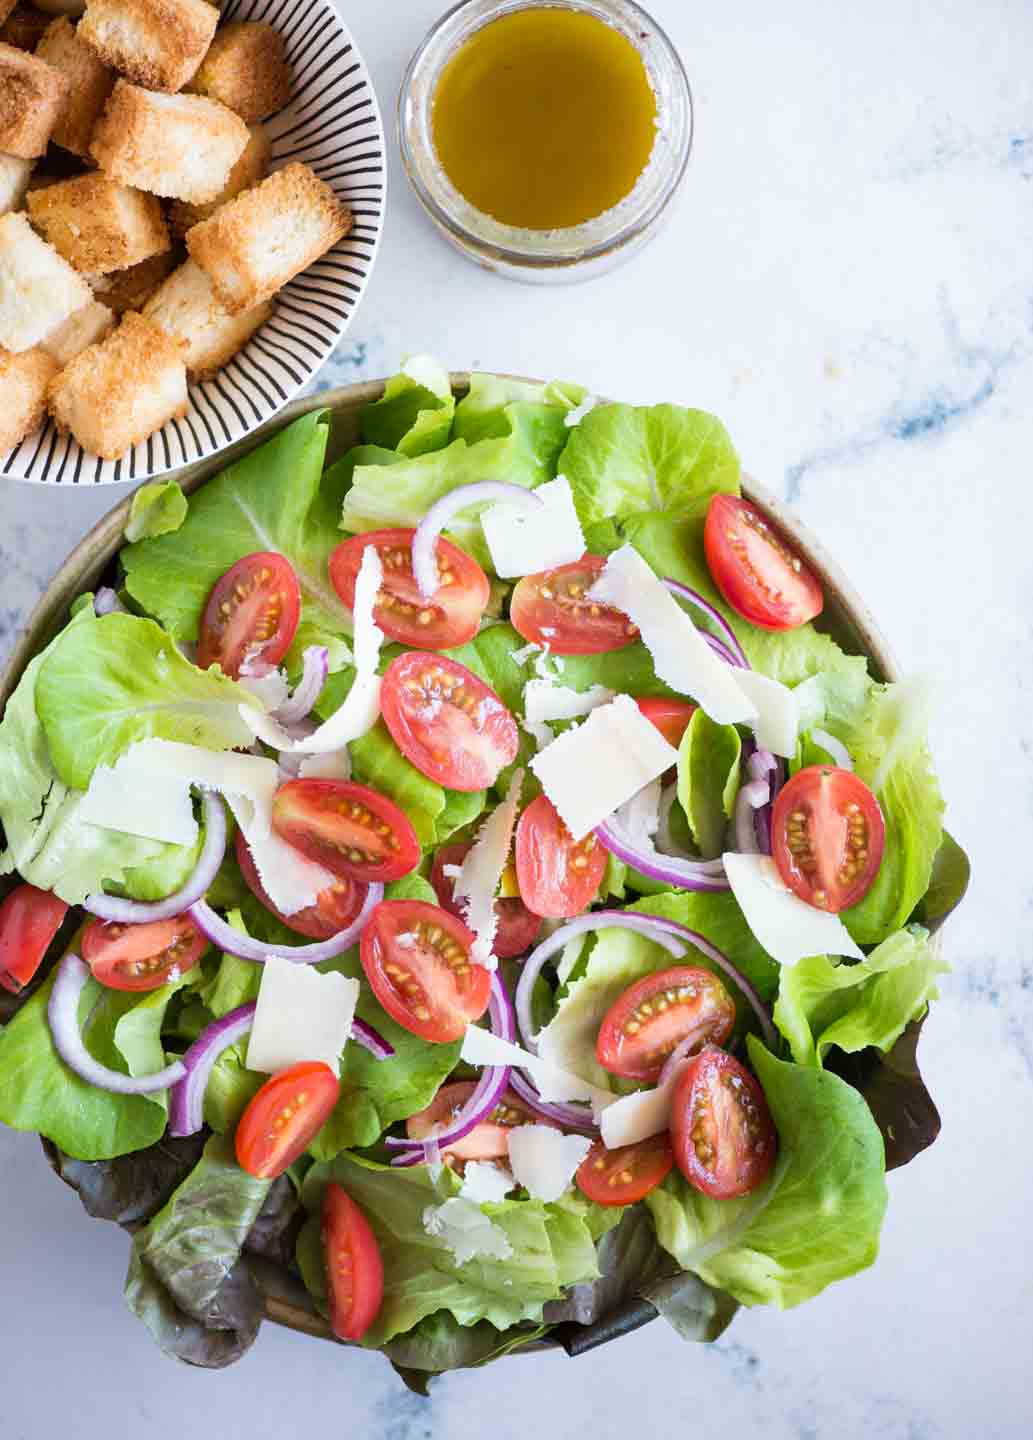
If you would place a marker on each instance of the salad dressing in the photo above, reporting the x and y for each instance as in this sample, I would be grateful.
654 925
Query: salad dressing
545 119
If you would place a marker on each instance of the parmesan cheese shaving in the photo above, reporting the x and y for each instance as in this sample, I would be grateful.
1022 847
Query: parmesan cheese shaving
481 871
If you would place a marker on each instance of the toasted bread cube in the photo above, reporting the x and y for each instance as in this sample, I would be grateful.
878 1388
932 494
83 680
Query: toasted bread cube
246 69
255 244
252 166
23 384
157 43
90 84
182 146
97 224
6 6
123 290
117 393
38 289
94 322
32 96
14 181
209 336
24 27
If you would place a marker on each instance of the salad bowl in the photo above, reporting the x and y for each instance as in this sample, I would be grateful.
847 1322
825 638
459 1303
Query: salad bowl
889 1081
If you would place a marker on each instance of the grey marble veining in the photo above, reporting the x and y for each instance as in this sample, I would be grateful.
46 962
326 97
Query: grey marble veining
849 284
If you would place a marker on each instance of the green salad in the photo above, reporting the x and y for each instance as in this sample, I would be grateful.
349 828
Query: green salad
463 873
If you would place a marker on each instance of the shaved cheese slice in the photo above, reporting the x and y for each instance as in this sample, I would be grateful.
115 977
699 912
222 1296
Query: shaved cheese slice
465 1230
523 541
481 871
140 802
574 417
788 928
361 707
636 1117
777 726
248 783
545 702
486 1183
337 765
543 1159
481 1047
588 773
301 1015
681 657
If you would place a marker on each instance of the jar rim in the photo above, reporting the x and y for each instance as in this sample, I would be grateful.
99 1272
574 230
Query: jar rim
625 224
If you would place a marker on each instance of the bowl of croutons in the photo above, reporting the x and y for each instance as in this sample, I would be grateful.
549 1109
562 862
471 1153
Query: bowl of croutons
191 202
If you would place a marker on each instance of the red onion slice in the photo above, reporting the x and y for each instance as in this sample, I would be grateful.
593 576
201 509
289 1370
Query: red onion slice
646 925
371 1040
569 1116
186 1103
106 602
138 912
677 1058
485 1097
751 798
315 669
705 876
694 598
63 1015
232 942
424 561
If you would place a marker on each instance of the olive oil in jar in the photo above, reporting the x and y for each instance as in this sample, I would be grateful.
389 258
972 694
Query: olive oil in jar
545 119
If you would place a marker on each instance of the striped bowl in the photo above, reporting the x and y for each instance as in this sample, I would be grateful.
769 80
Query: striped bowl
333 124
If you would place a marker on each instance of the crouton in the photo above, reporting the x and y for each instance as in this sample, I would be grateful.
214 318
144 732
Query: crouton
90 84
23 384
32 95
260 240
94 322
246 69
156 43
14 181
181 146
189 313
24 27
6 6
252 166
38 290
117 393
97 224
123 290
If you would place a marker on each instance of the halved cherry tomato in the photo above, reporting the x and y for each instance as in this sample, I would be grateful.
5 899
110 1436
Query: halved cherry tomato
557 877
142 957
622 1176
251 614
671 717
761 578
518 927
450 617
354 1270
447 722
29 920
283 1119
827 837
487 1141
550 609
725 1140
349 829
656 1014
335 908
417 958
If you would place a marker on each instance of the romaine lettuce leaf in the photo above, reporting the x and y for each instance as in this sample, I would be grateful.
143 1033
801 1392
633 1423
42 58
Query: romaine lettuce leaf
550 1249
708 780
414 414
626 458
620 957
816 1220
821 1003
157 509
274 499
103 686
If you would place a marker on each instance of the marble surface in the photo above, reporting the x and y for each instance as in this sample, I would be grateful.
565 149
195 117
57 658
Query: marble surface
849 284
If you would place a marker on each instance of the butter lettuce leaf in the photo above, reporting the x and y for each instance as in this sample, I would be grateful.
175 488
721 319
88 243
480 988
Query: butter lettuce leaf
156 509
102 687
414 414
816 1220
821 1003
708 780
626 458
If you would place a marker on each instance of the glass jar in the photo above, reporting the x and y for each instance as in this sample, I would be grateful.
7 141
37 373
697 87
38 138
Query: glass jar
548 256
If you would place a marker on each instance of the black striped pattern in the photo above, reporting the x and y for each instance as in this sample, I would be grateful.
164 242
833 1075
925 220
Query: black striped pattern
333 124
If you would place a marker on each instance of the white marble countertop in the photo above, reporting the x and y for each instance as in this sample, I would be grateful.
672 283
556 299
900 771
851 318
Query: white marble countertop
849 284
